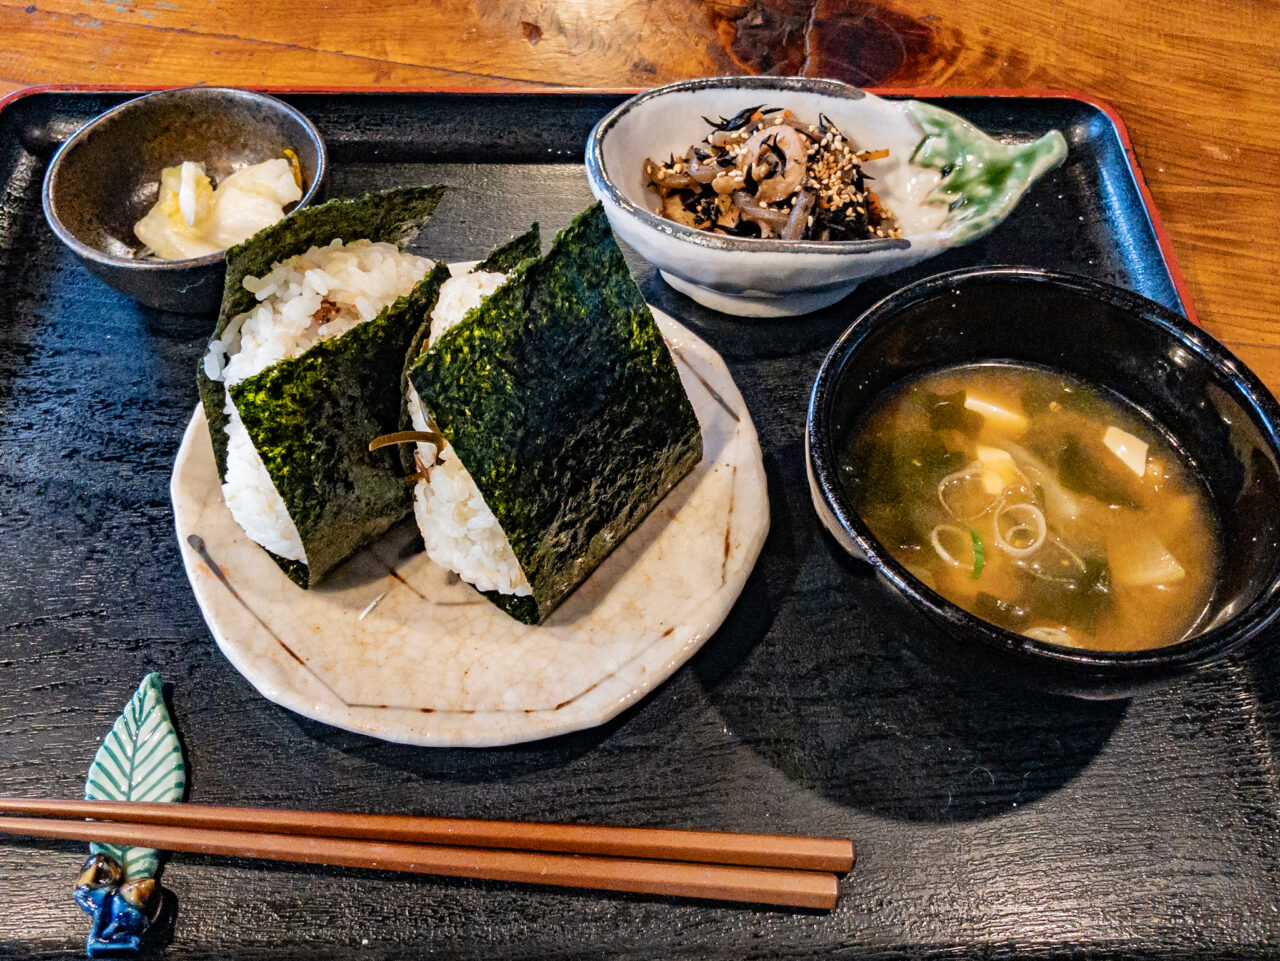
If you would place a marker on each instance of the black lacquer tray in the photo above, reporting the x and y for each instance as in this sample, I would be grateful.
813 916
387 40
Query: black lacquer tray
990 822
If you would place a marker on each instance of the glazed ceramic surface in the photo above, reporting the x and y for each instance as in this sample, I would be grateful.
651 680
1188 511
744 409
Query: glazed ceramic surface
141 760
106 176
396 647
947 182
1212 408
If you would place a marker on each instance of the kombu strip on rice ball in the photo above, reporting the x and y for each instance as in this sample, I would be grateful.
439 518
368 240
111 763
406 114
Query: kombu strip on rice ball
311 417
560 398
502 259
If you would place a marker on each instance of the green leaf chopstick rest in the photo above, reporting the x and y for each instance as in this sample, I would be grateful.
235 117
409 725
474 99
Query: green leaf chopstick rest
139 760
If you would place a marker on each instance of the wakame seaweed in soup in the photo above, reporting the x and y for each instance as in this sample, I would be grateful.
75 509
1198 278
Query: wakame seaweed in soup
1039 503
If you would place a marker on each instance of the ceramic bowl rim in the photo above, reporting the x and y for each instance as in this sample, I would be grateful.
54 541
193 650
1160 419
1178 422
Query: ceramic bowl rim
1248 390
86 252
599 177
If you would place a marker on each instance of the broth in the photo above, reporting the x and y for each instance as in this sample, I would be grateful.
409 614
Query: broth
1039 503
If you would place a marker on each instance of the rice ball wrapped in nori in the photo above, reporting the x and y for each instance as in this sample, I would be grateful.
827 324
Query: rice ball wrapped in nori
562 418
305 363
459 531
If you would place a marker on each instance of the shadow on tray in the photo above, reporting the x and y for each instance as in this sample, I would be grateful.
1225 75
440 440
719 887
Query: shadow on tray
463 765
761 337
1259 669
825 689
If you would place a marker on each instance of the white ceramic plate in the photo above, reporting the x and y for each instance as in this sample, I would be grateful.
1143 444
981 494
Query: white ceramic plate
395 647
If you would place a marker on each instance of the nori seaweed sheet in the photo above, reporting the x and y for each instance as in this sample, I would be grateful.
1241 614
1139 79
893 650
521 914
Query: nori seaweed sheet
311 417
502 259
506 258
562 401
393 216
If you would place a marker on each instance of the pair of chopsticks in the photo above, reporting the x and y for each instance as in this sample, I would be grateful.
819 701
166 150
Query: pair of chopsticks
755 868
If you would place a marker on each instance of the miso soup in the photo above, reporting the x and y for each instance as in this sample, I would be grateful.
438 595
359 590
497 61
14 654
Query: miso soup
1038 503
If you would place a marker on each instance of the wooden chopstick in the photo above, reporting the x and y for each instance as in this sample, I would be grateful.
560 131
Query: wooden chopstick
707 847
776 886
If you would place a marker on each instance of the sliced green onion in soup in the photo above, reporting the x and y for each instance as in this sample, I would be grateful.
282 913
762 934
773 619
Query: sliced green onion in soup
1020 529
948 540
963 494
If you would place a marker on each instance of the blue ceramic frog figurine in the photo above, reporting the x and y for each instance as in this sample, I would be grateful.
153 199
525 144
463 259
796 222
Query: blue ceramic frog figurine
121 912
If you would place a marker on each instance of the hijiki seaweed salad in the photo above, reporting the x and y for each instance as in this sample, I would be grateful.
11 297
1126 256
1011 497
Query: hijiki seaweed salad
760 175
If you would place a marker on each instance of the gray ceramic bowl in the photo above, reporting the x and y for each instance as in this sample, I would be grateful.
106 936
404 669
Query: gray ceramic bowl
104 178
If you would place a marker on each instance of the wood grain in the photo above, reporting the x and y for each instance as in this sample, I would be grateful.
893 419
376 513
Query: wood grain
800 853
991 823
676 879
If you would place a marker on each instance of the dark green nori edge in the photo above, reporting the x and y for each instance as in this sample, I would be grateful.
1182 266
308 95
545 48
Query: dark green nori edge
311 419
510 255
392 216
297 571
560 397
502 259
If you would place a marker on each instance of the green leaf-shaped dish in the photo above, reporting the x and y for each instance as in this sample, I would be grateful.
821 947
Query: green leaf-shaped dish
982 178
945 181
139 760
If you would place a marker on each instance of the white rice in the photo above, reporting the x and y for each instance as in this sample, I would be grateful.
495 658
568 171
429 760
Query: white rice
460 531
357 279
459 295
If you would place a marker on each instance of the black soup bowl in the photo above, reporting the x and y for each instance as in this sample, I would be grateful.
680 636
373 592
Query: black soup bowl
1218 413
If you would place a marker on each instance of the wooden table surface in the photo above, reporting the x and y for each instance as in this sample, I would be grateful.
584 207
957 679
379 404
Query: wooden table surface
1197 86
1196 83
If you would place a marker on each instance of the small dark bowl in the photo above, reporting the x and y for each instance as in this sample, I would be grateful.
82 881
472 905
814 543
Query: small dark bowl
1220 414
105 177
